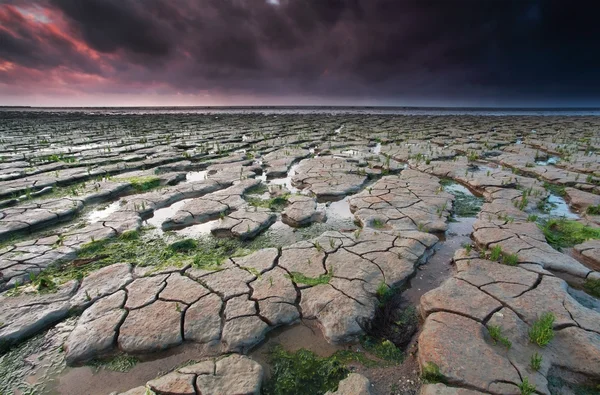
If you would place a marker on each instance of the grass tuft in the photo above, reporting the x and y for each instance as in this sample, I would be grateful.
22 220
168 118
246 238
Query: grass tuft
541 332
536 361
496 335
593 210
526 387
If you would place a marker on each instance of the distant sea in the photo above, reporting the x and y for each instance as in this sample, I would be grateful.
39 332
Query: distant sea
274 110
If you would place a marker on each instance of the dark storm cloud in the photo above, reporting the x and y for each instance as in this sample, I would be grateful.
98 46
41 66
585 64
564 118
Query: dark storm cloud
108 25
333 48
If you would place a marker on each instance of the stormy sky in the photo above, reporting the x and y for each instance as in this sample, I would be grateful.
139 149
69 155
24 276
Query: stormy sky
305 52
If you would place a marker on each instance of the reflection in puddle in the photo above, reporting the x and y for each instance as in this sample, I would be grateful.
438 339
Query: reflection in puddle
196 176
376 149
550 161
455 187
197 230
306 335
439 267
336 211
89 381
161 215
98 215
287 181
560 208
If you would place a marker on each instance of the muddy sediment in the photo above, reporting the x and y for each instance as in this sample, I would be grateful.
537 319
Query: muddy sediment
413 250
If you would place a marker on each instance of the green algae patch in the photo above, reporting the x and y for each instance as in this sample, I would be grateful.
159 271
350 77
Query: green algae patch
300 278
120 363
563 233
131 247
592 287
142 184
277 203
303 372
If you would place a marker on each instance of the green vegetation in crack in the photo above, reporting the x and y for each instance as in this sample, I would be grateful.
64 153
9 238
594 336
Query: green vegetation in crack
562 233
558 190
131 247
496 254
303 372
535 362
74 190
143 183
300 278
526 387
465 204
430 373
495 332
392 327
383 349
541 331
593 210
119 363
277 203
258 189
592 287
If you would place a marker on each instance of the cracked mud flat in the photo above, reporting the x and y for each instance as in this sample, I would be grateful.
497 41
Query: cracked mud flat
246 231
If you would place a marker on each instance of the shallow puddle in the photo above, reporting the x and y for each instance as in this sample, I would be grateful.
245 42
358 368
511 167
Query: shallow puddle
560 208
439 266
196 176
286 181
550 161
92 381
304 335
195 231
99 215
162 214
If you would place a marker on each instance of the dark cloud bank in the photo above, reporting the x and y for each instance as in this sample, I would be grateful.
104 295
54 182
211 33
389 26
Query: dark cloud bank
386 51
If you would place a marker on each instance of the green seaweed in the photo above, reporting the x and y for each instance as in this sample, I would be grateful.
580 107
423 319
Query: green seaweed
120 363
277 203
562 233
383 349
300 278
142 183
303 372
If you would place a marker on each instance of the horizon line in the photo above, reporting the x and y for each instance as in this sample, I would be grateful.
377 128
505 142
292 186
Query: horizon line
312 106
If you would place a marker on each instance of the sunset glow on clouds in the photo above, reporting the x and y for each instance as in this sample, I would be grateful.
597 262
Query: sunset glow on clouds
225 52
